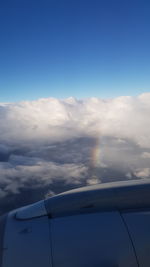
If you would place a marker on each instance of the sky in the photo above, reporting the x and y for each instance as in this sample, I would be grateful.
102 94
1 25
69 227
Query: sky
74 48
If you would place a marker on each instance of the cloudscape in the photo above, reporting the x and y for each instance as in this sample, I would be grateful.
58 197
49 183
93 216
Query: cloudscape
51 145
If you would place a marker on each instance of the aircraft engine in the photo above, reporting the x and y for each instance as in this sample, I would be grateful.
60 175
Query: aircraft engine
105 225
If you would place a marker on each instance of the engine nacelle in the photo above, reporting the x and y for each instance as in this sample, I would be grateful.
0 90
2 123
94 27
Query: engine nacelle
105 225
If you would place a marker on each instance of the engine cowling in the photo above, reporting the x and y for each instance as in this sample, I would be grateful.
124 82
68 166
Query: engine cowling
92 226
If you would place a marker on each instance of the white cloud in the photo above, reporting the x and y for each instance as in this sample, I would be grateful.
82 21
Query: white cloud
48 140
142 173
38 174
145 155
56 120
93 180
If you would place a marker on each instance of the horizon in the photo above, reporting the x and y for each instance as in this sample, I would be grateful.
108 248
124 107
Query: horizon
74 98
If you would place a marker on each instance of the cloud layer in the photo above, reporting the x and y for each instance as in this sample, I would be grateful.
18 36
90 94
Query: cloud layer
49 145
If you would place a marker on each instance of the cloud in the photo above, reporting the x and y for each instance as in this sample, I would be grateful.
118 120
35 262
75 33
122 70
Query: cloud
143 173
51 145
38 173
145 155
57 120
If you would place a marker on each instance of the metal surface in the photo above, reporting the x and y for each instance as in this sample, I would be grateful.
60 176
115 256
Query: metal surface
27 243
102 238
89 240
3 220
116 195
138 224
31 211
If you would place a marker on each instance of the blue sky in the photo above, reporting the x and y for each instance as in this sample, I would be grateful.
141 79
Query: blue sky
74 48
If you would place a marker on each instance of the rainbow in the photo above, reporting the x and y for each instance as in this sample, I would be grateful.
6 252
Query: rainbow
95 153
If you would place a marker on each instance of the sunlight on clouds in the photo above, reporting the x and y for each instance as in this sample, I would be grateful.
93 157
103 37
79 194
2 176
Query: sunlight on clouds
57 120
73 142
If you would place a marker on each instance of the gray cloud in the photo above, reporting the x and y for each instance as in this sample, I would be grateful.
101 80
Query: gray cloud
50 145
